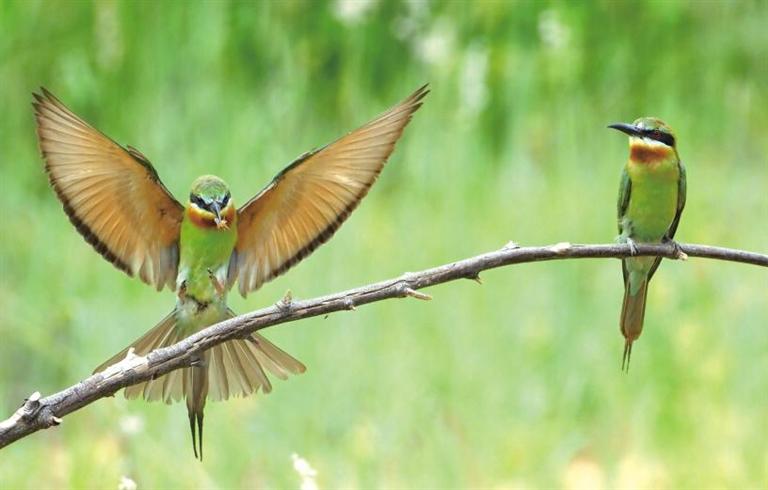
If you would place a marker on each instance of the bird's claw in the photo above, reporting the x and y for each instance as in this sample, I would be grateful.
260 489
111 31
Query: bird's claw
217 285
632 246
678 250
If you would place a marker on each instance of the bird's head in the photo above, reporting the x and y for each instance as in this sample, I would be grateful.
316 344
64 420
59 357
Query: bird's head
650 139
210 204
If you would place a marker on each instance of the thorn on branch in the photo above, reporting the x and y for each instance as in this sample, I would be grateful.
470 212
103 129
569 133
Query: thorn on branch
510 246
32 412
131 361
415 294
475 276
30 407
285 303
406 276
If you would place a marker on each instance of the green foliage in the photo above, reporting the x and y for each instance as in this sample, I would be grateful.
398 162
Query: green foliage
515 383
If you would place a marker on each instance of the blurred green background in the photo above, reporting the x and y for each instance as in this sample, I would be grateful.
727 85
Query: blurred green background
512 384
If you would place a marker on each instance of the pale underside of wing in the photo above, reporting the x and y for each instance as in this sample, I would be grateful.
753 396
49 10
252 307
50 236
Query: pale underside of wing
308 201
112 195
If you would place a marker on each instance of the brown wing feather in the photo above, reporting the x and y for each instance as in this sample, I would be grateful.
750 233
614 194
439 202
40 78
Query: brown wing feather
112 195
307 202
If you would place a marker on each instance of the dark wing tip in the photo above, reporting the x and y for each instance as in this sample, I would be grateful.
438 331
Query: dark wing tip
48 94
416 99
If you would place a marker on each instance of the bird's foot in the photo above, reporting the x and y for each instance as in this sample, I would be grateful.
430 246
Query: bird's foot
632 246
217 285
182 291
679 254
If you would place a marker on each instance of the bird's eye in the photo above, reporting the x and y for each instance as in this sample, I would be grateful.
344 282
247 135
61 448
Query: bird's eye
198 201
225 200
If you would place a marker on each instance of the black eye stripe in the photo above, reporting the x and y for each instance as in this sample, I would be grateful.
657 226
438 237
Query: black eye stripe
225 200
661 136
198 201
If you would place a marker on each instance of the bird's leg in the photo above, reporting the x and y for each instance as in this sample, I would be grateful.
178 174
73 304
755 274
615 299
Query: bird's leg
216 283
624 238
679 254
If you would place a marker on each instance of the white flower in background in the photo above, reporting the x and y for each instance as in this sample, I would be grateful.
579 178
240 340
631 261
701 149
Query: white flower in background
436 46
552 31
473 80
583 473
306 472
126 484
131 424
352 11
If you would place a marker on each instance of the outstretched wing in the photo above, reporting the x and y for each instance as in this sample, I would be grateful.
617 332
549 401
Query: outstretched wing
307 202
111 194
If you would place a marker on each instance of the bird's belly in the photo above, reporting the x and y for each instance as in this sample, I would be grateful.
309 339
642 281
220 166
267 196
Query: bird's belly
193 316
203 252
652 209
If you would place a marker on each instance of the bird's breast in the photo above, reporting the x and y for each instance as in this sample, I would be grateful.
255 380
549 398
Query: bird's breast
207 221
653 199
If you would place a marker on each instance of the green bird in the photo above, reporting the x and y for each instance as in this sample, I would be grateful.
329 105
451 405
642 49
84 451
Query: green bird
115 199
651 200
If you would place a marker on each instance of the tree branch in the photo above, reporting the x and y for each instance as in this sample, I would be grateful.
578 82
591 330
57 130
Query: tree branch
38 413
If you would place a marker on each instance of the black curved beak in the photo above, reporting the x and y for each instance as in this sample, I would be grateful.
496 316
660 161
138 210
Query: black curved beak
627 129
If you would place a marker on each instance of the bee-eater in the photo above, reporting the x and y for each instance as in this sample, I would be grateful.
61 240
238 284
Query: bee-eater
651 200
115 199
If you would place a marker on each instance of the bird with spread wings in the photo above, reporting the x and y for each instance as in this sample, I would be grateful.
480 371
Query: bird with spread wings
115 199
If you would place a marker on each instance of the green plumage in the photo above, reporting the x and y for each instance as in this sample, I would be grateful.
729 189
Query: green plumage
230 369
651 199
114 197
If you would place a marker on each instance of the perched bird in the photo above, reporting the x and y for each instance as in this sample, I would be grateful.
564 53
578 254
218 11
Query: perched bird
651 200
115 199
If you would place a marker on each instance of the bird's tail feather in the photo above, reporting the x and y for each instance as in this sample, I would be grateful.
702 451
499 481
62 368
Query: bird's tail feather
231 369
632 315
196 390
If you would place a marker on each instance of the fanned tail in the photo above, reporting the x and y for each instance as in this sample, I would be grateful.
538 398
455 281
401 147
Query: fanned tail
632 315
234 368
